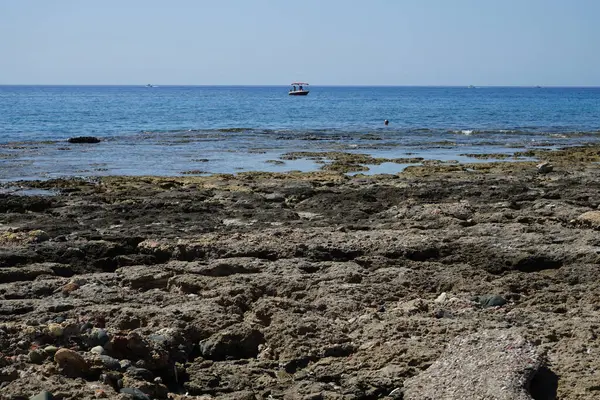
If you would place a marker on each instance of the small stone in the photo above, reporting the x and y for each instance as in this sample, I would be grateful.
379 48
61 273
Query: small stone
442 314
136 394
97 350
37 356
125 364
42 396
159 339
140 373
59 320
544 168
490 300
110 363
51 350
99 337
86 327
69 287
55 330
441 298
71 361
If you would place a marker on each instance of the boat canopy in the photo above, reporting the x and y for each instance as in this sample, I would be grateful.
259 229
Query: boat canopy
299 84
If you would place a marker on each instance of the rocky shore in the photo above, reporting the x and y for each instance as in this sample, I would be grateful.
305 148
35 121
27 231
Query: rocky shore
446 281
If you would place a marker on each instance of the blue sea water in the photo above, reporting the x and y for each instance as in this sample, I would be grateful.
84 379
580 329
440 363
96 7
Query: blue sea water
169 130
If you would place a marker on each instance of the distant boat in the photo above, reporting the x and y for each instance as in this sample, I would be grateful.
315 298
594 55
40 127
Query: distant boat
298 91
471 87
149 85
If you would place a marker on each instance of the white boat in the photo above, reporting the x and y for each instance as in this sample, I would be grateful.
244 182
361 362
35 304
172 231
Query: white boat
299 91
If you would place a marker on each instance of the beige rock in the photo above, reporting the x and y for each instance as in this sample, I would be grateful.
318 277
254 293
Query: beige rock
493 364
590 218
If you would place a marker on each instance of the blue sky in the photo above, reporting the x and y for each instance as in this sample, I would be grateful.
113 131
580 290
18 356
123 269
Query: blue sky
327 42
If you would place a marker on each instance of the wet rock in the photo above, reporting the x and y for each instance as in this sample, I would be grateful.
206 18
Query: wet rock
84 139
495 365
51 350
235 343
72 363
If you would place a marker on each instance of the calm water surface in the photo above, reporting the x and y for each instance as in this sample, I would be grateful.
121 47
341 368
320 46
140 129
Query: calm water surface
171 130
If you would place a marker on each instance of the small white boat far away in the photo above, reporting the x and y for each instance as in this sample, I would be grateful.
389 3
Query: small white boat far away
298 89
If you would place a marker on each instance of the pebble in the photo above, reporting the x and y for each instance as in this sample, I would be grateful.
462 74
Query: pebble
37 356
60 319
140 373
71 360
98 350
441 298
55 330
99 337
160 339
110 363
125 364
137 394
51 350
86 327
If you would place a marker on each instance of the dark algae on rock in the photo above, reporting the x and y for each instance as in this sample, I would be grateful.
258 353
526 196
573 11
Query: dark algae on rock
439 282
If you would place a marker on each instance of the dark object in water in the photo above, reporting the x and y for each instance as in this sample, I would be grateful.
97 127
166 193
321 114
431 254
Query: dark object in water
386 122
84 139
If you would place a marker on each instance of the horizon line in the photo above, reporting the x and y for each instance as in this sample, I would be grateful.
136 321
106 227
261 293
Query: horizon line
285 85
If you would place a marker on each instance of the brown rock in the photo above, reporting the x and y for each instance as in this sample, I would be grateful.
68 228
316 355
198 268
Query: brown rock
72 363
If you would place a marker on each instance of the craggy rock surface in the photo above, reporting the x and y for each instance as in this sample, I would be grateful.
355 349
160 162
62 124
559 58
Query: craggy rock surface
301 286
495 365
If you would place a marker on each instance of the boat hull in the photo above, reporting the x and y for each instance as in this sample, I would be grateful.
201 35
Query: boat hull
299 93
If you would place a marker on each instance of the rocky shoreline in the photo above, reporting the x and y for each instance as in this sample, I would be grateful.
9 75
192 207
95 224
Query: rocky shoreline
307 285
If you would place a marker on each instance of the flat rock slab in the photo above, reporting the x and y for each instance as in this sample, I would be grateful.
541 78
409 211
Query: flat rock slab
491 365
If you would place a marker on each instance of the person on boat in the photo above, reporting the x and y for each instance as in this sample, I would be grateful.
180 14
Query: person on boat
294 89
300 88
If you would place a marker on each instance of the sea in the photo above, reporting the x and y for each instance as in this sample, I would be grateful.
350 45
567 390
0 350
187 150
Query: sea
200 130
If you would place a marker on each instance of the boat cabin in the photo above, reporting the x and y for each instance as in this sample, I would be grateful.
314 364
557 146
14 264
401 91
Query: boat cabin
298 89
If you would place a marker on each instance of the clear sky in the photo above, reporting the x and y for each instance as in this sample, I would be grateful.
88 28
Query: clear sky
326 42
